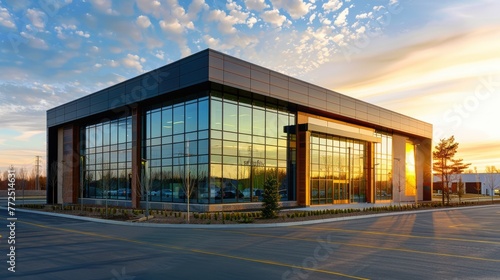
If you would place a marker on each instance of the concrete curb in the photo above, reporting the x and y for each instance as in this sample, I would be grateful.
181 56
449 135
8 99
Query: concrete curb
230 226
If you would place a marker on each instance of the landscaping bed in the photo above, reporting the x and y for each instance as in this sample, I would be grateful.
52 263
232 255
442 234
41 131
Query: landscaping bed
286 215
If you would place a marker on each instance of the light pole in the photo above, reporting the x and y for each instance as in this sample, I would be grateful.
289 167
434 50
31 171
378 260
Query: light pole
399 178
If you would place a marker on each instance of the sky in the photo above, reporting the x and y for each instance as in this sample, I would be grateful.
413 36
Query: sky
437 61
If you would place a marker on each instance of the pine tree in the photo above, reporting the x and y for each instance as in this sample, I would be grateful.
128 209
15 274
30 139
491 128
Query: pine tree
446 165
270 199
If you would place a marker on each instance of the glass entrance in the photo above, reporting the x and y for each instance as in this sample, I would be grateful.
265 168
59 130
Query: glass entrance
337 170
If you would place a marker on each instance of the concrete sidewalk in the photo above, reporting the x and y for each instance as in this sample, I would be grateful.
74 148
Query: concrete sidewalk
269 225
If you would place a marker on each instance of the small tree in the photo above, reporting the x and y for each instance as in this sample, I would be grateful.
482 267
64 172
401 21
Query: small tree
478 184
457 168
492 177
460 189
270 198
446 165
54 167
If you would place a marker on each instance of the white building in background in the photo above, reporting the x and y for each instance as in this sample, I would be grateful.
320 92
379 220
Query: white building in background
482 183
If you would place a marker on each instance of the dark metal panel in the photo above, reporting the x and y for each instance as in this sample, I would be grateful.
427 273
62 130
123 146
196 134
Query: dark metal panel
98 97
99 107
83 102
195 77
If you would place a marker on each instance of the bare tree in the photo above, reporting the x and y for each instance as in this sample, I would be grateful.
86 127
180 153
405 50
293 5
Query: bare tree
188 187
22 175
53 179
460 189
492 179
478 184
458 167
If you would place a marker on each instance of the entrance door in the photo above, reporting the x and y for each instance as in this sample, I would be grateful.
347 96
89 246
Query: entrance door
337 170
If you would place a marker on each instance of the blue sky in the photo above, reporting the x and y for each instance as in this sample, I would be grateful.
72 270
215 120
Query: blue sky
433 60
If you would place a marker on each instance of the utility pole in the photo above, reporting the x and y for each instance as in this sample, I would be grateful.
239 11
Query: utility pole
37 168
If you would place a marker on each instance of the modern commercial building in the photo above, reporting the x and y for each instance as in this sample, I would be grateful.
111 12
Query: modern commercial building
473 183
214 127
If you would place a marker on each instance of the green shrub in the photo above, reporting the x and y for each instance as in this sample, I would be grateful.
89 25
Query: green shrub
270 198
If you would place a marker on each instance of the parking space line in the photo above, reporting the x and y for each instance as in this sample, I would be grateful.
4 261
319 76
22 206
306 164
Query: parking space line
369 246
280 264
268 262
400 235
474 227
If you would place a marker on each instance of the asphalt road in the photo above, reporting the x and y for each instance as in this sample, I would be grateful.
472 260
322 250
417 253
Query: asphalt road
457 244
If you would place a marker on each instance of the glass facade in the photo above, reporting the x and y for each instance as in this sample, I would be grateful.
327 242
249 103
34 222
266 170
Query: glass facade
383 167
411 177
106 159
248 143
219 148
337 169
176 151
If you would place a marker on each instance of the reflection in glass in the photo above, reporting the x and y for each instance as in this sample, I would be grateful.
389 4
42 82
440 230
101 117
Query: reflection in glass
337 169
105 160
411 178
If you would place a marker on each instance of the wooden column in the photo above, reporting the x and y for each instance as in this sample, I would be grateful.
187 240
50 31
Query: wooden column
303 168
70 164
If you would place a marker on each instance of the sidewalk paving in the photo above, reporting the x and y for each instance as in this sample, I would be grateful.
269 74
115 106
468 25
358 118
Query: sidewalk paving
268 225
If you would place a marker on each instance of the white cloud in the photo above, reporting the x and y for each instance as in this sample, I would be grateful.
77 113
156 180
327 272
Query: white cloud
295 8
364 15
6 18
97 65
113 63
133 61
312 18
82 34
26 135
37 18
172 27
150 7
341 19
332 6
160 54
235 10
35 42
143 21
251 21
104 6
273 17
326 21
195 7
69 26
215 43
226 22
257 5
59 30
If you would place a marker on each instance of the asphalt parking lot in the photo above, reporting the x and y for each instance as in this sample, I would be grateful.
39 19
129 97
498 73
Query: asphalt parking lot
453 244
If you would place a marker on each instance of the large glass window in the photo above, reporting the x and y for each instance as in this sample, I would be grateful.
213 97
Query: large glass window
337 169
248 144
383 167
106 159
411 178
176 150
